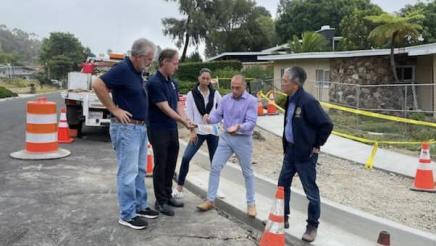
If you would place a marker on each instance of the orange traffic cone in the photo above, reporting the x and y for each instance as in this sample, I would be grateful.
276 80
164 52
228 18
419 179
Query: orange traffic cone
271 108
149 172
274 234
384 238
63 133
424 172
260 111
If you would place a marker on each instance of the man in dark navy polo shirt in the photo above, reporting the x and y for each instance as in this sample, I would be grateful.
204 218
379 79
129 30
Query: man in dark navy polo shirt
129 107
162 129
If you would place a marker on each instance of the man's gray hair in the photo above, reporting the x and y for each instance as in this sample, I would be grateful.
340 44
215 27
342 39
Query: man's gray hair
297 75
141 47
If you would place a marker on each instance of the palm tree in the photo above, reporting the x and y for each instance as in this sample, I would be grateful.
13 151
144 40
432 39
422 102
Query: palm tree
395 31
193 28
310 42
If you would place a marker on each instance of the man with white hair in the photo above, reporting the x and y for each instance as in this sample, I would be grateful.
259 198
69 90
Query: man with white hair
306 129
128 131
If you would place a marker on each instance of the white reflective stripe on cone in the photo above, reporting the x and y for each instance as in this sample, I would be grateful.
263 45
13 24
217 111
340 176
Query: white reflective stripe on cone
41 138
62 124
425 166
278 208
63 117
275 227
41 118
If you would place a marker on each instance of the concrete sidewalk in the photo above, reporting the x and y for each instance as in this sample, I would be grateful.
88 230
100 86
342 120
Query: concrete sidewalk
354 151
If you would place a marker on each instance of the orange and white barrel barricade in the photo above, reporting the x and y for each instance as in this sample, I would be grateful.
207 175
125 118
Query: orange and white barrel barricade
149 168
274 234
41 132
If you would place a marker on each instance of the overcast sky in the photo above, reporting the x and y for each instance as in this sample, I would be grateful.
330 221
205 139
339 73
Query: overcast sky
114 24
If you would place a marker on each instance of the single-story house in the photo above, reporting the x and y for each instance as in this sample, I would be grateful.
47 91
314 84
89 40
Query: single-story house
364 78
25 72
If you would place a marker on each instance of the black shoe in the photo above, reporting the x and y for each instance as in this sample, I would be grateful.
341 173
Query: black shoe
310 234
137 223
286 222
175 203
148 213
164 209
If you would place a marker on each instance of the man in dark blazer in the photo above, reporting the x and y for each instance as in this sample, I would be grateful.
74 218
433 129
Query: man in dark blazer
306 129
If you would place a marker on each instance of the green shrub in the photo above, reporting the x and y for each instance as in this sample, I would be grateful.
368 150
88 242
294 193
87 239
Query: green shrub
258 72
185 86
6 93
190 70
281 100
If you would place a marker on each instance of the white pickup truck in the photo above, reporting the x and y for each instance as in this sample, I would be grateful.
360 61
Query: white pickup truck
83 106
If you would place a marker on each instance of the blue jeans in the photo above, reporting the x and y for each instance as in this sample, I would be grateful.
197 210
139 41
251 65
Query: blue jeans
307 173
242 146
191 149
130 144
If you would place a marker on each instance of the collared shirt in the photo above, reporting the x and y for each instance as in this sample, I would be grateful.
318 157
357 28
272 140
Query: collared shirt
194 115
162 89
232 111
289 134
127 87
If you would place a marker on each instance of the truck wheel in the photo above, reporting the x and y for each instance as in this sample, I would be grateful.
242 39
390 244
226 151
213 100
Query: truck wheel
75 119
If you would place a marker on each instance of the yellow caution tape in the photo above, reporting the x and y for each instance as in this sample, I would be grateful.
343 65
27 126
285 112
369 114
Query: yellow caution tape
370 162
379 116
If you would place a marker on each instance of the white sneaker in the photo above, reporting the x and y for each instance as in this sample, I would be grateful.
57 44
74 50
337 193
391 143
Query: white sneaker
178 194
220 195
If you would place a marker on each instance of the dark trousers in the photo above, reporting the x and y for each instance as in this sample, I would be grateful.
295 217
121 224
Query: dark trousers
191 149
307 173
165 144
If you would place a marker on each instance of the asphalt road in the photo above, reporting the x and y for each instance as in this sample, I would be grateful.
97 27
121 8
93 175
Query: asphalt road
72 201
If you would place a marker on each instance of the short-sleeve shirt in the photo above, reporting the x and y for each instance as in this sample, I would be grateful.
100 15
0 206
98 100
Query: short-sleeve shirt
128 89
161 89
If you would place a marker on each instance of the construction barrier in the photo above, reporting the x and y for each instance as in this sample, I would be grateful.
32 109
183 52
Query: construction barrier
274 234
150 164
424 172
41 132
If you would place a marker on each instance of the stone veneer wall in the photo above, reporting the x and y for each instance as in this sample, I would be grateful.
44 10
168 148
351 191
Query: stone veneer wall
365 71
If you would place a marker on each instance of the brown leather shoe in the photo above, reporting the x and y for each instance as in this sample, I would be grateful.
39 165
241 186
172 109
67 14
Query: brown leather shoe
205 206
251 211
310 234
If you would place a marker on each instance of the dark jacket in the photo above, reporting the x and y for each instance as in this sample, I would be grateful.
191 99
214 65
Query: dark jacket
311 126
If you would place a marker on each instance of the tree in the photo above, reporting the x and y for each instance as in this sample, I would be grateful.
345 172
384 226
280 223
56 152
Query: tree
310 42
194 57
298 16
61 53
239 25
355 29
429 21
18 46
191 29
395 31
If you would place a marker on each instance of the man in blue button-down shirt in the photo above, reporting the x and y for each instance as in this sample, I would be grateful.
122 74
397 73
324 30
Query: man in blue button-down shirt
306 128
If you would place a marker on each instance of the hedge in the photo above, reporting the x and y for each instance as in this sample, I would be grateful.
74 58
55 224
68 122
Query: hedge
189 71
6 93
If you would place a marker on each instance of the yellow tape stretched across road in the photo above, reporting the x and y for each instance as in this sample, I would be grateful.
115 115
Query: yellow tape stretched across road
370 162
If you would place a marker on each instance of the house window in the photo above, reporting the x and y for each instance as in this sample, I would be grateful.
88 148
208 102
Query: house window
322 78
406 73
